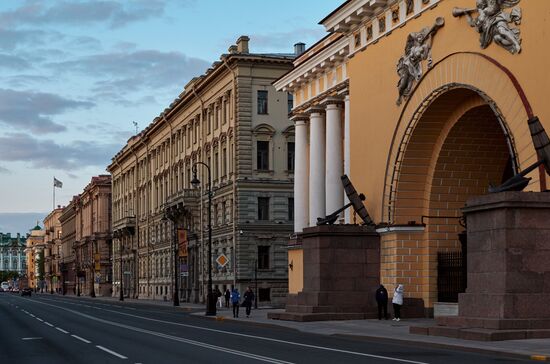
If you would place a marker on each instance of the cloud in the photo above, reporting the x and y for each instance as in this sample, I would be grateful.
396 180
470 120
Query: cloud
33 110
83 13
4 170
18 147
11 39
13 62
130 71
25 80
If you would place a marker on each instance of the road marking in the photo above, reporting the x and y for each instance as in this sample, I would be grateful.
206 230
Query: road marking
111 352
355 353
47 323
81 339
31 338
39 319
32 315
60 329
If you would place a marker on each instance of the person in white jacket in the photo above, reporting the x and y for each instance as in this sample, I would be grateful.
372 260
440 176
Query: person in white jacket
397 301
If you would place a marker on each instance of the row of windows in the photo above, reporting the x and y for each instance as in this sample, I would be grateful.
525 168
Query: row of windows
262 155
262 102
263 208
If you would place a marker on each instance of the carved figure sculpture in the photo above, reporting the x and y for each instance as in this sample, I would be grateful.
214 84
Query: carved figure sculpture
417 49
493 23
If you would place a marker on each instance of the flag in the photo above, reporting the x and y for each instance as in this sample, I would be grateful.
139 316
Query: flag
57 183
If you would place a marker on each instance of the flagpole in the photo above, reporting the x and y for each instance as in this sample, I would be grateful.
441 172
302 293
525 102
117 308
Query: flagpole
53 193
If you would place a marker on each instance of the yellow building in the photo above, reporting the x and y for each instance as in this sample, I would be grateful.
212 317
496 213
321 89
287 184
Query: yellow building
52 250
35 256
424 104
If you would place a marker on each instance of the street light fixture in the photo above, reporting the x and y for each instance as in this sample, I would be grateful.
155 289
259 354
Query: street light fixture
210 299
121 297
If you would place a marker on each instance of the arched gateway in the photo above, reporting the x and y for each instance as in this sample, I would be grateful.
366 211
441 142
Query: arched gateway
455 137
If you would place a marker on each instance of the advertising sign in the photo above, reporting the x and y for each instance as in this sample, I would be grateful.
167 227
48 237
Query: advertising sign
182 243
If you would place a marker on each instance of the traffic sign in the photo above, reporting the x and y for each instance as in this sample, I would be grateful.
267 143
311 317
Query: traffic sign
222 260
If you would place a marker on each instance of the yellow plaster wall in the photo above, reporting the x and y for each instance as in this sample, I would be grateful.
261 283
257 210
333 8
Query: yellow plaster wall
296 274
373 81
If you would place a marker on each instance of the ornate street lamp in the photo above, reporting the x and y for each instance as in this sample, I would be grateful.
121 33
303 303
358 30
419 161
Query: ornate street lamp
210 299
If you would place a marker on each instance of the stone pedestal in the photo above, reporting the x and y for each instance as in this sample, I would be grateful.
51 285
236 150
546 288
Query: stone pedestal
508 288
341 274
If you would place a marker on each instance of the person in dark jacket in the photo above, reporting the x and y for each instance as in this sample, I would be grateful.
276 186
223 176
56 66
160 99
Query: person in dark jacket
235 299
248 299
382 301
227 297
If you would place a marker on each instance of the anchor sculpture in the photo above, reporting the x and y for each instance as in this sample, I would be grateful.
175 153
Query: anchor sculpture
542 147
355 200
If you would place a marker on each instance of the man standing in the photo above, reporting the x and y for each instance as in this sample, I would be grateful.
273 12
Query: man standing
227 297
382 301
235 299
248 299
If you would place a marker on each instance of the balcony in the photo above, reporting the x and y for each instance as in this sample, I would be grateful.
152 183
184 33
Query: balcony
188 197
127 223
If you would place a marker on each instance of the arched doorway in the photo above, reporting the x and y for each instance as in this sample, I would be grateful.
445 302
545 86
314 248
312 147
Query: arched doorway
458 146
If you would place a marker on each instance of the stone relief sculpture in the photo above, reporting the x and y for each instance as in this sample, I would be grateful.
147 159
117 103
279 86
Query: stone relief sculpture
417 49
494 24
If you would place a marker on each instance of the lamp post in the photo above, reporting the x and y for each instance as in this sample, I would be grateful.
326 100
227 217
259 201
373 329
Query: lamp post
210 299
256 284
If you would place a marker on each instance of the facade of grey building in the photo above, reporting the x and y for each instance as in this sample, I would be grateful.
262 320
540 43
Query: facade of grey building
235 122
12 254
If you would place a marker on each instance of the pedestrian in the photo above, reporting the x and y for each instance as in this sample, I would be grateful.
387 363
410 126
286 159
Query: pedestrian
235 299
382 301
248 298
227 297
219 296
397 302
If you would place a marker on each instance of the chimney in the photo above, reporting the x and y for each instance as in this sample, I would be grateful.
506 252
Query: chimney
242 44
299 48
232 49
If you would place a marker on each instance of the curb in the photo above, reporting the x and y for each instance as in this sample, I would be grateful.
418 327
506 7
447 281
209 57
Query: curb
409 342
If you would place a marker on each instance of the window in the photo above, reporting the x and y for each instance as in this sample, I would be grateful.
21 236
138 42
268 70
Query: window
263 257
224 162
290 209
290 102
262 155
264 294
262 101
290 156
263 208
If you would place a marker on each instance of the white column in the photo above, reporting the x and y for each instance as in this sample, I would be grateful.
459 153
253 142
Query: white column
334 160
316 165
301 175
347 154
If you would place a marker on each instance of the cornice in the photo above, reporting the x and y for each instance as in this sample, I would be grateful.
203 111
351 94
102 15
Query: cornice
318 63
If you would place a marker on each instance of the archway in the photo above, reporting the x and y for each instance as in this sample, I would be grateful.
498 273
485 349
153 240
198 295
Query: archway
458 147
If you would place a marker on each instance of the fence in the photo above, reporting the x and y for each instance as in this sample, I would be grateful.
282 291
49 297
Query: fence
450 276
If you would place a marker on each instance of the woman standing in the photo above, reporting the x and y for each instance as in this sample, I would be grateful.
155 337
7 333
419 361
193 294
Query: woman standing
397 302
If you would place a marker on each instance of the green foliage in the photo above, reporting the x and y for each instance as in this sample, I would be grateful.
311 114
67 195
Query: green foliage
8 275
40 262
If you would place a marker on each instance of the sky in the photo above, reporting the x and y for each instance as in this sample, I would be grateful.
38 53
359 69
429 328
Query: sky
76 74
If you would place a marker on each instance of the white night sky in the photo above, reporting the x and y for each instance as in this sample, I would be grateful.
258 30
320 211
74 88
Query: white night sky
75 74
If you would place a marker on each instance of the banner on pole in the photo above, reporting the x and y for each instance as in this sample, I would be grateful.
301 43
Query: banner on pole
182 243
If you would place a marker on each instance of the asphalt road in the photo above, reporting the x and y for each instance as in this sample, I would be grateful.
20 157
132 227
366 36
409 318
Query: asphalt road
58 329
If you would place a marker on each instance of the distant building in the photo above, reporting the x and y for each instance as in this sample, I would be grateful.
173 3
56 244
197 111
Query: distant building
12 254
52 245
67 259
35 257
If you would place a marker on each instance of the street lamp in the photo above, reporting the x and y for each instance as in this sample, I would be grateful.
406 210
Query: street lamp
210 299
121 298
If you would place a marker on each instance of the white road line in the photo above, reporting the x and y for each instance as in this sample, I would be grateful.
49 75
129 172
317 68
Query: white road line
111 352
32 315
81 339
60 329
47 323
39 319
31 338
354 353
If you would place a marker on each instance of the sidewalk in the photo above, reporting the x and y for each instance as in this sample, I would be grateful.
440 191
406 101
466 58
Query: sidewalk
536 349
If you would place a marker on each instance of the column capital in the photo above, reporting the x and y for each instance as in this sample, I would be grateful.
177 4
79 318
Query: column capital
333 102
315 109
299 117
